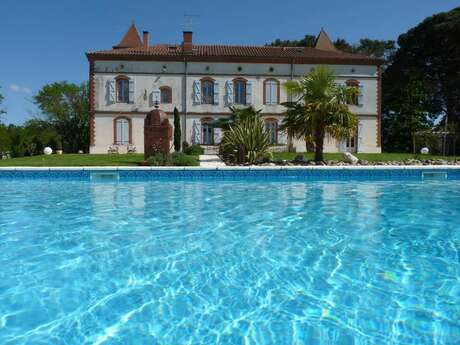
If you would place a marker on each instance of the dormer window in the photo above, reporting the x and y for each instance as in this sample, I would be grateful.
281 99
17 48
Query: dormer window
122 85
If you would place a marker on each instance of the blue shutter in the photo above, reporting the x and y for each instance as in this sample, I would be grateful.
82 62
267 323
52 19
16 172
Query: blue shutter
216 92
360 137
111 91
248 92
197 92
229 92
196 132
131 90
361 94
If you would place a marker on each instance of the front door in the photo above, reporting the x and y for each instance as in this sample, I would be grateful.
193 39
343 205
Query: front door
350 145
207 134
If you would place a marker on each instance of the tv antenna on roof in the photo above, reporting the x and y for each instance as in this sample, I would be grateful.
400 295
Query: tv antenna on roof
188 21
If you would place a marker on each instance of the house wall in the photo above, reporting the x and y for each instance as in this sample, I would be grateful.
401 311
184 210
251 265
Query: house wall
151 75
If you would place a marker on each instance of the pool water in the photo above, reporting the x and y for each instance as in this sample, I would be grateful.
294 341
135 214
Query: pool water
230 263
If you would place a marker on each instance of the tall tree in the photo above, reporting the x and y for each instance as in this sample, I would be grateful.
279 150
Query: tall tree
307 41
404 117
65 106
430 54
321 108
177 130
2 111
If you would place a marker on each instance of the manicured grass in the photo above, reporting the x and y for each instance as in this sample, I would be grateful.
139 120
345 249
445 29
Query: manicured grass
371 157
67 160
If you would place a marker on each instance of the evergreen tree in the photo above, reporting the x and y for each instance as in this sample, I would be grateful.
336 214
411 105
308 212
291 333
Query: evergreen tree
177 130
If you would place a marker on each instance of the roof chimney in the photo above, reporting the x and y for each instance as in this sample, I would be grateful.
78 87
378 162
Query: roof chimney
187 45
145 39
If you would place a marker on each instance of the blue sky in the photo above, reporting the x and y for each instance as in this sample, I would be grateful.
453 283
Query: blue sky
45 41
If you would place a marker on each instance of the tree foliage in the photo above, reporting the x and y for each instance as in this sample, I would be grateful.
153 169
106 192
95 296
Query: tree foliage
320 108
307 41
177 130
2 111
65 106
429 55
374 48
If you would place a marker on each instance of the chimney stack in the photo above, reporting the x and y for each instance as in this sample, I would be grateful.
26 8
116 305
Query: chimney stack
146 39
187 45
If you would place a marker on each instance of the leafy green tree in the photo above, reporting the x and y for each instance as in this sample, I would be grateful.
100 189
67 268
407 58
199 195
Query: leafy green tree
404 117
5 140
2 111
428 53
307 41
177 130
321 108
65 106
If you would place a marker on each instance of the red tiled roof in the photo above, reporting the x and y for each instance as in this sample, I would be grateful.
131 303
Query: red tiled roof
233 53
130 40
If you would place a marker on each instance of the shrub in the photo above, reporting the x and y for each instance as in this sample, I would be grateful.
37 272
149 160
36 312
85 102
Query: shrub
194 150
180 159
158 160
175 159
246 141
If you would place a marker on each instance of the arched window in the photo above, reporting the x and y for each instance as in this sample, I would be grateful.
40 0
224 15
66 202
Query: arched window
122 85
207 131
271 91
207 91
271 126
239 86
354 83
165 94
122 131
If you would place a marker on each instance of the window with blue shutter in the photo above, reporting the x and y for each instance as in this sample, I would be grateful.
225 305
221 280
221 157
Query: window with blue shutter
197 92
131 90
207 91
122 131
229 92
271 92
123 91
248 92
240 92
216 92
361 95
111 90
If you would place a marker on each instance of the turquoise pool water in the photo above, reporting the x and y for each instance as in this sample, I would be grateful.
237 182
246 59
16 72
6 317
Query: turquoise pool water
230 262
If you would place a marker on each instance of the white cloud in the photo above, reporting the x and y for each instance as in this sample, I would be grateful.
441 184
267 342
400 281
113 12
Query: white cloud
20 89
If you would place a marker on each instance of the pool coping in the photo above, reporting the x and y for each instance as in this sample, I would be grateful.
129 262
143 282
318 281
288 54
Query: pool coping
239 168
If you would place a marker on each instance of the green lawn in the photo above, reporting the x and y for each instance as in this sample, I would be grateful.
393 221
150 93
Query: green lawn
67 160
371 157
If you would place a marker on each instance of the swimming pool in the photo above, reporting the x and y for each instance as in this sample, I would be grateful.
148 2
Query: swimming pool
229 262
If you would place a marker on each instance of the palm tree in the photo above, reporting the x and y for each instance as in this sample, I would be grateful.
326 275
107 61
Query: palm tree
320 108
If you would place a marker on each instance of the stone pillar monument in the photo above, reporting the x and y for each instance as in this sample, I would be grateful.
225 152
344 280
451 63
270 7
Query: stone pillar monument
157 133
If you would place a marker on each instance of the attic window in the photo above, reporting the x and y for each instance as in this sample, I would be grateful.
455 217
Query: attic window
240 68
271 69
172 48
299 50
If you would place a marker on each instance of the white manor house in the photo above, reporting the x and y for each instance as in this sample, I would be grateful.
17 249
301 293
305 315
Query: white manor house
202 81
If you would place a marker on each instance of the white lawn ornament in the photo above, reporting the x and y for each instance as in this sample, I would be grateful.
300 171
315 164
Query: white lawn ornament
425 151
47 150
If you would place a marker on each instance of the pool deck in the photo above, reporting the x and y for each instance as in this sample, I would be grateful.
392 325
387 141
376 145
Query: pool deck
252 167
